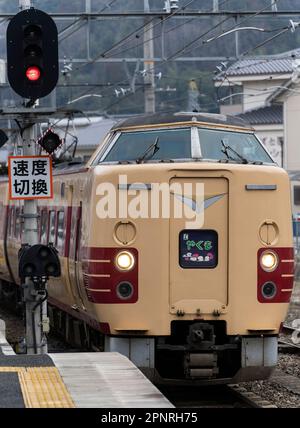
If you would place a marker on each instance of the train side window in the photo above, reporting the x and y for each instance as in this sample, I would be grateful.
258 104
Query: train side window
60 229
21 222
297 195
44 226
52 224
12 222
17 224
8 221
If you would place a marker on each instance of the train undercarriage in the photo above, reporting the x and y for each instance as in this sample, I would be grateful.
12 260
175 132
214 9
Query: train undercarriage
195 352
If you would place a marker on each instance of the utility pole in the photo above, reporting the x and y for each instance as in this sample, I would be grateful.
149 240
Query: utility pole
149 79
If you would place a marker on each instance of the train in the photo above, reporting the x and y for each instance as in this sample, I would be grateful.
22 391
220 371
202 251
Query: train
196 298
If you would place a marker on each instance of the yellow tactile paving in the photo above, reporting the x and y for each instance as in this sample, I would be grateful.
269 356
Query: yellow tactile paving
42 387
12 369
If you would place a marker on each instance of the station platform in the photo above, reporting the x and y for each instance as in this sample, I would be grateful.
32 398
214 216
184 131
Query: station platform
73 380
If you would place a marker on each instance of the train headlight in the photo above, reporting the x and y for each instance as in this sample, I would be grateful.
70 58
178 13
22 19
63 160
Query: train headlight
125 261
124 290
269 290
269 261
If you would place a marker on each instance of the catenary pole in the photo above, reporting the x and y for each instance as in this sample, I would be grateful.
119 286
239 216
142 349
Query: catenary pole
149 63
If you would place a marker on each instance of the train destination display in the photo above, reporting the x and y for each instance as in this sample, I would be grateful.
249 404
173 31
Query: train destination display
198 249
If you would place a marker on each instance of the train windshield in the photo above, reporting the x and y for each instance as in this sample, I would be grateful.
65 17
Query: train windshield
238 146
159 144
185 143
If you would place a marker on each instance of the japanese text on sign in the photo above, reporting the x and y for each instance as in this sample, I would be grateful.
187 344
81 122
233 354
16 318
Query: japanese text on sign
30 177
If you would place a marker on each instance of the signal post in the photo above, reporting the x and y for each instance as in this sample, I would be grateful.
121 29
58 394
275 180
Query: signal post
34 332
32 69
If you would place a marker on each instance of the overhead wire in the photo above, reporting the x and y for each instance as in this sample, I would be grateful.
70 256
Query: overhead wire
124 81
83 19
190 45
173 28
132 33
172 57
168 17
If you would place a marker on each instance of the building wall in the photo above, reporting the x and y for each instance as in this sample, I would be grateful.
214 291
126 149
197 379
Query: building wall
272 136
261 89
292 131
231 109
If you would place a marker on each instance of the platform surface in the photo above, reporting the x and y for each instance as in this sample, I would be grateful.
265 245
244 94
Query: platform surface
66 380
106 379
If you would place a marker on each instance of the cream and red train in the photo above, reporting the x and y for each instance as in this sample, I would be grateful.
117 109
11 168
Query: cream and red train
204 304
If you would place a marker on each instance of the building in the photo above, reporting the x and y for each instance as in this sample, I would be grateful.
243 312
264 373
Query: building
265 93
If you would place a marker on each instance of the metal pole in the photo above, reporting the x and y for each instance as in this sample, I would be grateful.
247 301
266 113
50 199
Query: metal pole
149 63
215 5
237 40
33 311
88 9
25 4
35 342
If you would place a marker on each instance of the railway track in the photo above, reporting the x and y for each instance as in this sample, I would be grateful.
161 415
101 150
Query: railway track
222 396
289 337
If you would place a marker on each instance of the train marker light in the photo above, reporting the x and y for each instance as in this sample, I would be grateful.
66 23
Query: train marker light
124 290
269 261
125 261
269 290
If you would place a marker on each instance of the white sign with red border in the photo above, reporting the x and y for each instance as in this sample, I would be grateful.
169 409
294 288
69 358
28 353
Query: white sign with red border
30 177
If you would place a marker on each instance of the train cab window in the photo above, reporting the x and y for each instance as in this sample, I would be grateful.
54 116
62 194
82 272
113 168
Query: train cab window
60 229
163 144
218 145
44 226
52 226
296 195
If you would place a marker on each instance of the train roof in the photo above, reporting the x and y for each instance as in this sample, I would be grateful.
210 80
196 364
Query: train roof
173 118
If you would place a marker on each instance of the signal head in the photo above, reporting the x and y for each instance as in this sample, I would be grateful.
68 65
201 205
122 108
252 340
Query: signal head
50 141
32 54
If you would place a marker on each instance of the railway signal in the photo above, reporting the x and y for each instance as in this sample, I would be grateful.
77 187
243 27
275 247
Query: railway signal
38 262
50 141
32 54
32 70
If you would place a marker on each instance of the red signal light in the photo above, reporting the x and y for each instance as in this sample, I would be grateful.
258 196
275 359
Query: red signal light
33 73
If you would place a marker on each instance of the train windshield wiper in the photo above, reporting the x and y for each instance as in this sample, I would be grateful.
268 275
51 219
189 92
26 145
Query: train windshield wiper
225 149
153 147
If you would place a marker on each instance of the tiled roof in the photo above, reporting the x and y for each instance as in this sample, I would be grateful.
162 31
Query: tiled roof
256 66
272 115
282 63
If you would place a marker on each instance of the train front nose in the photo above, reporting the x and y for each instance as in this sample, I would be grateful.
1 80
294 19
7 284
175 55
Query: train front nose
198 272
